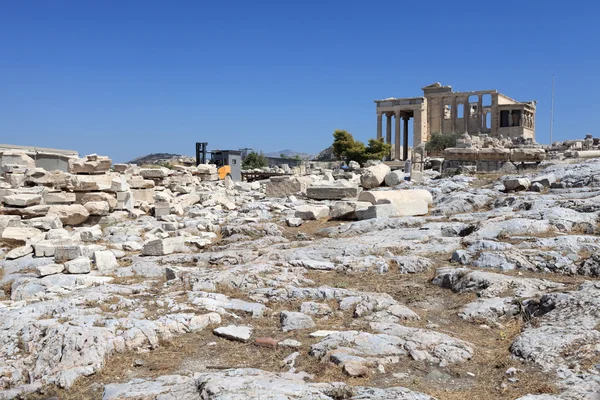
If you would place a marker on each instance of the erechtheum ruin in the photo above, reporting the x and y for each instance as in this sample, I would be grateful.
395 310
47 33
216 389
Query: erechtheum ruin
440 110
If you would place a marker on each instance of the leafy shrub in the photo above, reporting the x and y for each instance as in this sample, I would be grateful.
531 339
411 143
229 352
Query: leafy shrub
441 141
255 160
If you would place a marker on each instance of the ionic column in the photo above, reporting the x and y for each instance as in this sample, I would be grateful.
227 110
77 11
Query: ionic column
379 123
388 129
388 133
467 114
405 142
397 137
453 114
479 114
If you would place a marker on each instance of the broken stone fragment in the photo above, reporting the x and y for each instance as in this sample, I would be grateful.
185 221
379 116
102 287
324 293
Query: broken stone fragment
9 220
65 251
356 368
294 222
188 200
88 183
143 196
527 155
161 247
50 269
15 234
97 208
27 212
217 301
312 212
18 159
347 209
132 246
374 176
407 207
536 187
119 184
105 261
291 321
396 196
199 322
291 343
124 201
80 265
138 182
54 179
98 197
516 184
73 214
545 180
91 164
154 173
238 333
318 309
377 211
44 248
22 200
283 186
44 223
313 264
19 252
170 226
332 192
394 178
91 234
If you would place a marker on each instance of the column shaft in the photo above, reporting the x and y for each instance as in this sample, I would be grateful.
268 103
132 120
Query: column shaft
379 123
454 112
467 114
479 114
405 141
388 133
388 129
397 137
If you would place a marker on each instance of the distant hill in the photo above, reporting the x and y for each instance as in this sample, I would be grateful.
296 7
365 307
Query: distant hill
290 154
326 155
156 158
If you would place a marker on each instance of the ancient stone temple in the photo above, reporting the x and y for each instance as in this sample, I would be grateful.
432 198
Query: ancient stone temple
441 110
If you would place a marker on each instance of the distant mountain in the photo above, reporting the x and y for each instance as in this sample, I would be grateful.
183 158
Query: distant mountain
290 154
156 158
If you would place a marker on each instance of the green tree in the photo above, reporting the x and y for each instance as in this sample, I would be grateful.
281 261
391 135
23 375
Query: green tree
255 160
441 141
342 141
377 149
345 147
356 152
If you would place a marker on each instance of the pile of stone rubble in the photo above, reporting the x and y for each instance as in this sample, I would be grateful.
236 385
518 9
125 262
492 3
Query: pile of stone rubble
582 148
489 154
118 259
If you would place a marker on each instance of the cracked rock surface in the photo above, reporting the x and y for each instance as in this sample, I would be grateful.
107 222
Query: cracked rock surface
176 286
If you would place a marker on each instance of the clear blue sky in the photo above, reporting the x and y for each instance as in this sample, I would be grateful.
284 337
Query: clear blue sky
127 78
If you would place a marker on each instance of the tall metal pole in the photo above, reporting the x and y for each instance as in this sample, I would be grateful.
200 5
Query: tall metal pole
552 112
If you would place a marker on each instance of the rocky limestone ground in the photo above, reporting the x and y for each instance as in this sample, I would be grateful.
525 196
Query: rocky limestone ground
490 295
